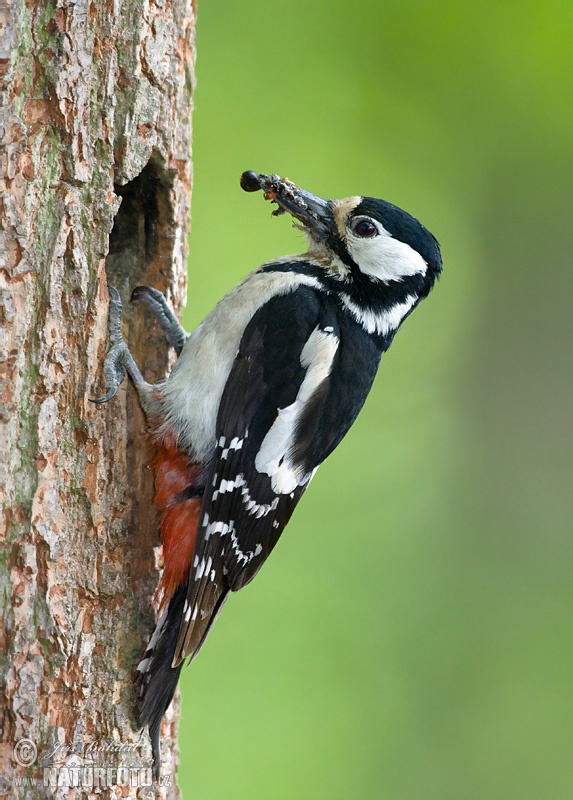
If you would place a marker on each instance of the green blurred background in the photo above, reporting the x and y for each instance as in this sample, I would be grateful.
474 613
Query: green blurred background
411 637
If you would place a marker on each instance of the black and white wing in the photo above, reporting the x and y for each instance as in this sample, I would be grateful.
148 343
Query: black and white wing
296 386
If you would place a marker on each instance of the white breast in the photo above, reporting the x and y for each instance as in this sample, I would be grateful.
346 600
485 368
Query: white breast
192 393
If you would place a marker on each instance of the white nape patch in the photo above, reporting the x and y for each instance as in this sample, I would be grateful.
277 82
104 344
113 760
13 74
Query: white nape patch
273 459
384 257
192 393
383 322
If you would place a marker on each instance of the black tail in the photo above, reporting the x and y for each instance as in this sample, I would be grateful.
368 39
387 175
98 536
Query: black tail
157 677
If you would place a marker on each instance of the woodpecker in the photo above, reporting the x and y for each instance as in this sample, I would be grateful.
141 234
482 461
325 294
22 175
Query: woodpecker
262 392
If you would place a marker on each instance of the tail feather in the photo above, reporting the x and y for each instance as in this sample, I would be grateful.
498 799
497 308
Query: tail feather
157 677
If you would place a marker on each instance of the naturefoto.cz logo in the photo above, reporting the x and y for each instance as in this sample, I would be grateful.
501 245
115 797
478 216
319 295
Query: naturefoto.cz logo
83 766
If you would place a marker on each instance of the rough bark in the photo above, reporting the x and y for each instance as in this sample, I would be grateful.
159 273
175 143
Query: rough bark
95 183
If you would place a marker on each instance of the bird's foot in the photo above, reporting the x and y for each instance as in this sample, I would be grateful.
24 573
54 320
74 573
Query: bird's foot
162 311
118 361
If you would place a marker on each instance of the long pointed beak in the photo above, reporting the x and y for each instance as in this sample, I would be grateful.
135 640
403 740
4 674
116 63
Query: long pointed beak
314 212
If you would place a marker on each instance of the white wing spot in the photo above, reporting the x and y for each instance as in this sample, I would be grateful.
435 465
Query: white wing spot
241 556
216 527
237 549
228 486
234 444
256 509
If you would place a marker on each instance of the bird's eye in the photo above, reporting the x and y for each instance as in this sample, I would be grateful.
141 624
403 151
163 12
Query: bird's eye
363 227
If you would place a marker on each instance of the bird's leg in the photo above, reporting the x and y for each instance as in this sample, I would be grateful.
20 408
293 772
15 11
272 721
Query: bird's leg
119 360
162 311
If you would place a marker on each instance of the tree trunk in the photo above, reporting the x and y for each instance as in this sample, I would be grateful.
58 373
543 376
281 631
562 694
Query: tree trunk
95 181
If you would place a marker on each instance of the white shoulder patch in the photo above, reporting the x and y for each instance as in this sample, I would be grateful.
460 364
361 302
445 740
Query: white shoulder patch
274 457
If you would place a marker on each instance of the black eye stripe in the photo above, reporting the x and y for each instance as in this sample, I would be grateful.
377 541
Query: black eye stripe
363 227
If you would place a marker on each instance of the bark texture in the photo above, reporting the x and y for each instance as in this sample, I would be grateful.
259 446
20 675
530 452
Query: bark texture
95 181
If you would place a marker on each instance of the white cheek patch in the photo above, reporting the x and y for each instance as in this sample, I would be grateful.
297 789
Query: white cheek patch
384 257
274 457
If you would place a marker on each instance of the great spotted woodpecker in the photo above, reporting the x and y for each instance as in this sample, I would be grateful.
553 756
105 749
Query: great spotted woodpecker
263 391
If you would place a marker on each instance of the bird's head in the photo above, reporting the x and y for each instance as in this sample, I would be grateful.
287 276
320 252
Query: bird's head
374 239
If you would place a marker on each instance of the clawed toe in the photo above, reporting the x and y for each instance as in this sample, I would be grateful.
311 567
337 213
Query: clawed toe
101 400
118 354
114 370
148 294
158 305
